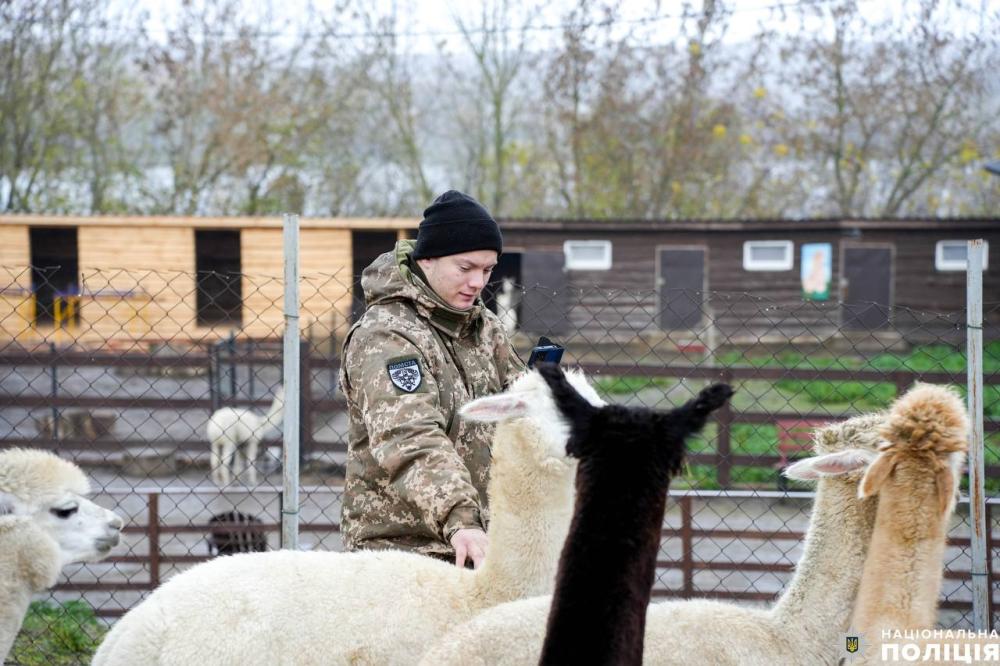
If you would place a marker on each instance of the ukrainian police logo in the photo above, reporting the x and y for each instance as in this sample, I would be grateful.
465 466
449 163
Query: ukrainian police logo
405 374
853 646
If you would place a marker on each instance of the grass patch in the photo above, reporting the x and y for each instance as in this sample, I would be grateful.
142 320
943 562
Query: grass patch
57 635
611 385
922 358
839 398
864 395
928 358
789 360
754 439
696 477
756 477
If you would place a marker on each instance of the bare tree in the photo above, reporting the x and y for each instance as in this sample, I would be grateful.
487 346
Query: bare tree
568 89
390 82
892 102
107 105
35 83
498 44
234 108
638 129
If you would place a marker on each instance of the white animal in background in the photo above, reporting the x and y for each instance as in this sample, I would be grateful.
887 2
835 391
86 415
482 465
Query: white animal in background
372 607
235 434
46 522
507 300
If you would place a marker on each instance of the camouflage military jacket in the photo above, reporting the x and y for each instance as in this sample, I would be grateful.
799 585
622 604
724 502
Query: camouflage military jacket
416 472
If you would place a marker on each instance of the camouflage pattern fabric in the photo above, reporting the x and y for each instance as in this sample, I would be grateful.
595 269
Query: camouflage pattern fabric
416 472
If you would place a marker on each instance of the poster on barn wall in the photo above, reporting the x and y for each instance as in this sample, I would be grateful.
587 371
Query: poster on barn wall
817 271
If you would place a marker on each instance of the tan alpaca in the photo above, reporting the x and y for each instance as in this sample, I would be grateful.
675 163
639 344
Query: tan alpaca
915 478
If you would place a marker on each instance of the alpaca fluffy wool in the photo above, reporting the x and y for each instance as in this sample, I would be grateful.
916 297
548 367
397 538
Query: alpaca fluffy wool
369 607
606 572
30 559
29 563
804 627
37 478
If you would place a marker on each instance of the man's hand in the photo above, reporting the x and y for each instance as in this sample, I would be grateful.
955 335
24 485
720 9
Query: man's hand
470 543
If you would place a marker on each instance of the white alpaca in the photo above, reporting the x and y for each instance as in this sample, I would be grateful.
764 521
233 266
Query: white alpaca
45 524
235 434
507 300
806 624
380 607
915 476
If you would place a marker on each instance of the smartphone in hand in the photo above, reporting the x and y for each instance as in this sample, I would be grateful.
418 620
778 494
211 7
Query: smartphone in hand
545 351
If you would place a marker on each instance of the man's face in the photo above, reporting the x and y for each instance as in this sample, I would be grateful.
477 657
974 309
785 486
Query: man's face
459 278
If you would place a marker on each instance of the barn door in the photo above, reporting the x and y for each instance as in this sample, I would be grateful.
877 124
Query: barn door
867 272
366 246
545 305
680 286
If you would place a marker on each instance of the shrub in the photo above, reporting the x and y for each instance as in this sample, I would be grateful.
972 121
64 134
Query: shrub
57 635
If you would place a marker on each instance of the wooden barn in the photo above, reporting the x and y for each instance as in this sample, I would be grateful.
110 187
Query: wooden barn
87 279
811 279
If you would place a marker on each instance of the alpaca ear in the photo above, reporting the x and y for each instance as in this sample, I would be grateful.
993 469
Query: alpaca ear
945 481
875 476
9 504
495 408
830 464
568 400
713 397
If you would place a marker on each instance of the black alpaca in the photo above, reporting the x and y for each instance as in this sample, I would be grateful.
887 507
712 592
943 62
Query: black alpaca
627 458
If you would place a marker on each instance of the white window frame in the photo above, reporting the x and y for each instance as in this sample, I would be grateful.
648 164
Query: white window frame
942 264
576 264
784 265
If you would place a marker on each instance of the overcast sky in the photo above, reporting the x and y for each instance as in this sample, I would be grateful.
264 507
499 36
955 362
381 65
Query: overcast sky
425 23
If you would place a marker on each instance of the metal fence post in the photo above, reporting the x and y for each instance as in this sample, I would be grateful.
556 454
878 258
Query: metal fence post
153 534
305 402
291 370
977 491
687 548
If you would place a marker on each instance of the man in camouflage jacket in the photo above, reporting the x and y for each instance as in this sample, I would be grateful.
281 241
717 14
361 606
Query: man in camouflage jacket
426 345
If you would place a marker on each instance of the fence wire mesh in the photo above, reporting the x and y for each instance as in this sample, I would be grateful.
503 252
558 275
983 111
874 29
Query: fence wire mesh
125 371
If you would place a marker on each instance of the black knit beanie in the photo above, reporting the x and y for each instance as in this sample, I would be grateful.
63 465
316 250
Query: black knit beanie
456 223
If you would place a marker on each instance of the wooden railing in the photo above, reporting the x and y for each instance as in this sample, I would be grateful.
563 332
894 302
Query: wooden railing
722 459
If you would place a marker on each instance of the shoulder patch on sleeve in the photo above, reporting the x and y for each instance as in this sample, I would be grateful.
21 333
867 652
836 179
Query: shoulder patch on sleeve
405 373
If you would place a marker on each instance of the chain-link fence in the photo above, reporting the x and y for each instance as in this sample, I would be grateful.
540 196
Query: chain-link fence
125 374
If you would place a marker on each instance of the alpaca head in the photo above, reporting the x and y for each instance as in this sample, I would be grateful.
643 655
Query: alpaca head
666 429
529 403
925 442
51 491
844 449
